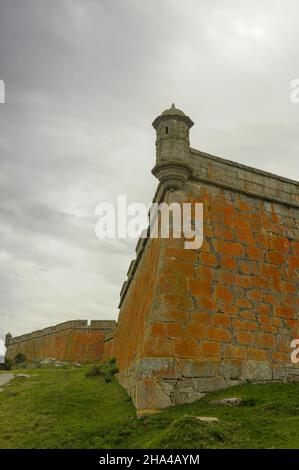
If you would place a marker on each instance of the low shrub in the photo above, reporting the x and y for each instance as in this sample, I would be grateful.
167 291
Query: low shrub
111 360
95 371
20 358
106 370
7 364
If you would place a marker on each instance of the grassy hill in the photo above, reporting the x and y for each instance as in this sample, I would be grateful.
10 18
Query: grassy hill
61 408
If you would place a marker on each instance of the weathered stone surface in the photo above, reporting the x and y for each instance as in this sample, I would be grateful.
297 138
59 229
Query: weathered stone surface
207 419
6 378
231 370
210 384
185 392
193 368
256 371
233 401
150 396
287 373
167 386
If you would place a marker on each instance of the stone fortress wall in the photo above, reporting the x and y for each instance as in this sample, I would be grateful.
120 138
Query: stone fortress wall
193 321
71 341
196 320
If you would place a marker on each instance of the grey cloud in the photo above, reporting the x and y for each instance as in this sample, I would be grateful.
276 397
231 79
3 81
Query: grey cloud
84 80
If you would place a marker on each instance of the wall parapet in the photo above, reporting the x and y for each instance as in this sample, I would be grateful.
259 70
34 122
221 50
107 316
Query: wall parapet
244 179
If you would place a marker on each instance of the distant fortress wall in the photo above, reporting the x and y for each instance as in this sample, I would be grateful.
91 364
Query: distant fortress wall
72 341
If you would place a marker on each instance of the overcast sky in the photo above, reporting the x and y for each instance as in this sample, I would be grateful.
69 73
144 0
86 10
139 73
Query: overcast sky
84 80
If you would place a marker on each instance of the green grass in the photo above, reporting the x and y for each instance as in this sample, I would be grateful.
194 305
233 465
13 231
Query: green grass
65 409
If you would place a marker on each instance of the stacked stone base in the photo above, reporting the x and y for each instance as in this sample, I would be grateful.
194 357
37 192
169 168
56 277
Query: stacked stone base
157 383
